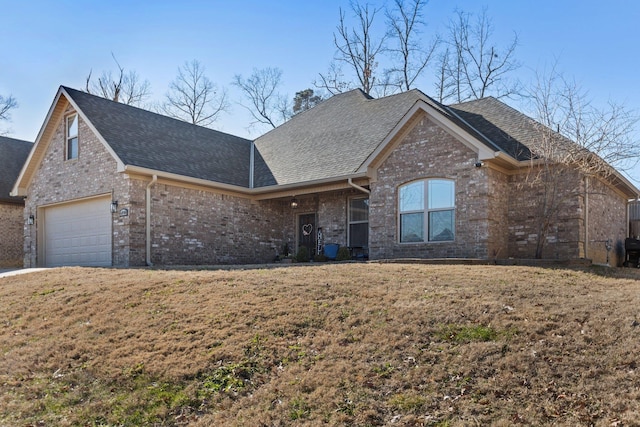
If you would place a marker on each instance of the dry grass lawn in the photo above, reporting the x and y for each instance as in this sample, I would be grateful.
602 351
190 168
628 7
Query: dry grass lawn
342 344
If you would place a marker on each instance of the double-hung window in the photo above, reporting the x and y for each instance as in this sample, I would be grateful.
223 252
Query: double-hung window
72 137
359 222
427 211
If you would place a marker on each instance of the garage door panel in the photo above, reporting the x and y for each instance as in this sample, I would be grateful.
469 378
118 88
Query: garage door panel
78 233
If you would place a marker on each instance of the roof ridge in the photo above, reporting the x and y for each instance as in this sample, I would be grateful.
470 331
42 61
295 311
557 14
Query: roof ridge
15 139
164 116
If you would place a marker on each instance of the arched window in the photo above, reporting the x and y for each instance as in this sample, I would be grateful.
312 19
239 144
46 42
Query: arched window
427 211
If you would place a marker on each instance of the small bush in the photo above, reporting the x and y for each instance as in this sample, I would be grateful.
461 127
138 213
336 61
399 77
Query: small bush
343 254
303 254
320 258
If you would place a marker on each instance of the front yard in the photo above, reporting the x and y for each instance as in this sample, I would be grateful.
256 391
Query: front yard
332 344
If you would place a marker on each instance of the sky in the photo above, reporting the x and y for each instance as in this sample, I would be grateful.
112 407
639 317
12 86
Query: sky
46 44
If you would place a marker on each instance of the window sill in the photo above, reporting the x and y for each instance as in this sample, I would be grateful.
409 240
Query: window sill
435 242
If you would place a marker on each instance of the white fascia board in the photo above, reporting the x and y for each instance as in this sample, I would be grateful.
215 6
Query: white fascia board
484 152
21 190
120 164
247 192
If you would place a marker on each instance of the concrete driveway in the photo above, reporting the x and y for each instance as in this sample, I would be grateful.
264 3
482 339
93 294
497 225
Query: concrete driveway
6 272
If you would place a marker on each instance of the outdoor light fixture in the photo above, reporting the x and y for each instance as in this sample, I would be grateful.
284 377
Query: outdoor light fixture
479 164
294 203
31 220
114 206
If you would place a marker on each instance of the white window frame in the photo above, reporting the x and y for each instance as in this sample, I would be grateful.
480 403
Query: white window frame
70 137
426 211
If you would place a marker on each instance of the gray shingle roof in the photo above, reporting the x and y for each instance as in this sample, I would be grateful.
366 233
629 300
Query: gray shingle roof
13 154
512 131
145 139
332 139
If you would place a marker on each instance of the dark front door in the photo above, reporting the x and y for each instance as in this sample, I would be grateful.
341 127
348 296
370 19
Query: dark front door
307 233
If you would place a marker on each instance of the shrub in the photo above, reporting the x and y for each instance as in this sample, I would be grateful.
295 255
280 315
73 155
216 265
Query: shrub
320 258
303 254
343 254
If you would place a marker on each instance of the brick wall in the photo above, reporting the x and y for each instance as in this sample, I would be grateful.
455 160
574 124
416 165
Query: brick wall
58 180
129 232
606 221
498 199
331 210
191 226
526 207
429 152
11 234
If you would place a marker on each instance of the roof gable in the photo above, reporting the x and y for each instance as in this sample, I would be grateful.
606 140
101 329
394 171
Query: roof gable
332 139
152 141
342 137
13 154
519 136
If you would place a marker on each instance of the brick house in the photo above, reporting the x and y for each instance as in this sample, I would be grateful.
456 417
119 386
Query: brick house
13 154
394 177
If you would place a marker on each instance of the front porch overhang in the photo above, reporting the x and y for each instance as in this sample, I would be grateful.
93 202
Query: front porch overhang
260 193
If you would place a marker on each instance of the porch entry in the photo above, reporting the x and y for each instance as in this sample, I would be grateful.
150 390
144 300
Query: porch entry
307 232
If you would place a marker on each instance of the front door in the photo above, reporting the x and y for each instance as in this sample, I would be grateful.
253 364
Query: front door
307 233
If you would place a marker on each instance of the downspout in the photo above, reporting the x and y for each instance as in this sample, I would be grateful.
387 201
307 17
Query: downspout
252 162
586 217
148 220
357 187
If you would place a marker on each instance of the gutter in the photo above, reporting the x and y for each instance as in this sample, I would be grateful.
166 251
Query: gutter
357 187
259 193
148 221
252 162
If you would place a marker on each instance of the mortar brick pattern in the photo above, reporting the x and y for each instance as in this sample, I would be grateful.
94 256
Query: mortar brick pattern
607 213
525 206
498 199
58 180
200 227
427 152
11 235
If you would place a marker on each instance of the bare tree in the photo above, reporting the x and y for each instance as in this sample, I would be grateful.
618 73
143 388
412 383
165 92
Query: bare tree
126 87
356 48
267 106
405 23
576 141
333 81
474 66
7 103
445 86
193 98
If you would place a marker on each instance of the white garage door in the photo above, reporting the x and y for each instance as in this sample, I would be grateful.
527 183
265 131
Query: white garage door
78 234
